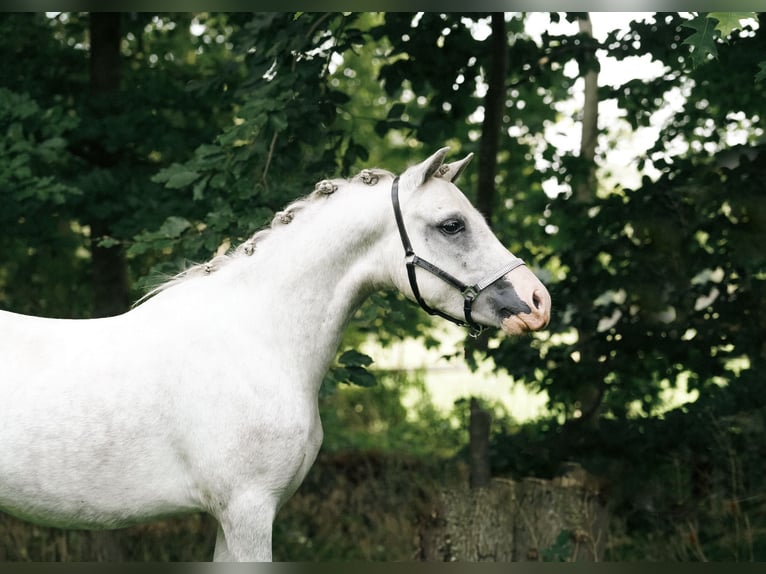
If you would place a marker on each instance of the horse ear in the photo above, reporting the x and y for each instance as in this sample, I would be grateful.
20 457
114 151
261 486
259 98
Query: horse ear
417 175
454 169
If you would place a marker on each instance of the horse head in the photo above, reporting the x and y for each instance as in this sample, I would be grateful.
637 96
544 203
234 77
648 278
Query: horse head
455 266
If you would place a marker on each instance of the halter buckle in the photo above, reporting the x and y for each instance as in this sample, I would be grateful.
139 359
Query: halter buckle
470 293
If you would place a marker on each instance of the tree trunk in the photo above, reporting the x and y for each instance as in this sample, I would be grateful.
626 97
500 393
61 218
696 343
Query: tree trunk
590 393
491 128
105 74
586 187
109 268
494 105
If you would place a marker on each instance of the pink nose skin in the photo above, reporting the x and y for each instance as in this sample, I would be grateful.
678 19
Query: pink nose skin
536 296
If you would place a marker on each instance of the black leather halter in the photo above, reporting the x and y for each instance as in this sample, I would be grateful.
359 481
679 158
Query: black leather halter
469 292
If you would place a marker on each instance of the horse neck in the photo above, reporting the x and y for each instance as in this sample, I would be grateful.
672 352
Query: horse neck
296 293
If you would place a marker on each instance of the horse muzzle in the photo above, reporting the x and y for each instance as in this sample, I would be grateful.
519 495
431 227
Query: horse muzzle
533 309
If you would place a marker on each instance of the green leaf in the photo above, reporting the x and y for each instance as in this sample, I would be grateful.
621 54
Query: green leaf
730 21
361 377
761 75
54 143
381 128
176 176
174 226
198 191
352 358
108 242
352 370
702 41
560 550
181 179
396 111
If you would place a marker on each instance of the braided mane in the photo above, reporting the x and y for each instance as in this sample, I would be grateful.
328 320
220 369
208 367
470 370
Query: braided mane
322 190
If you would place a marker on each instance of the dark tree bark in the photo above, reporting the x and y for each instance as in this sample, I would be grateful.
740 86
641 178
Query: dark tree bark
586 187
105 74
494 106
489 145
109 268
590 393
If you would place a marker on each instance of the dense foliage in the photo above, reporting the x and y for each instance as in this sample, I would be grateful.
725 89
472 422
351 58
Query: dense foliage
218 120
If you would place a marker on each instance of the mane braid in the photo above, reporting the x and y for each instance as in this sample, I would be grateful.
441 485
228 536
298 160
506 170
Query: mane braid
322 189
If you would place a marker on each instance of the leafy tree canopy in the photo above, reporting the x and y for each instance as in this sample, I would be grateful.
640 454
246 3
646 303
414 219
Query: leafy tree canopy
220 119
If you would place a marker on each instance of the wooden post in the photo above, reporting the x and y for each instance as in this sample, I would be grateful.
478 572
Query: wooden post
558 520
478 446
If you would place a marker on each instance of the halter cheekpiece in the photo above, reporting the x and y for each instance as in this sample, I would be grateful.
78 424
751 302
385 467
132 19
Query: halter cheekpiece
469 292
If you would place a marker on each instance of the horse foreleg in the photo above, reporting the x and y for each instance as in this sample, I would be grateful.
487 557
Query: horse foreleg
244 534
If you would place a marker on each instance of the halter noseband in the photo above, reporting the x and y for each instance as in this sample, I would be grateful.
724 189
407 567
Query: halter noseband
469 292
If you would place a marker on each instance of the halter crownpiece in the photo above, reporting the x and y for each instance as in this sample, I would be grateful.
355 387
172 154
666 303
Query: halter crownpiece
469 292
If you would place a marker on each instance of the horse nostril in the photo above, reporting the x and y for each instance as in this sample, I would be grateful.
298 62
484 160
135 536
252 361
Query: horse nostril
542 302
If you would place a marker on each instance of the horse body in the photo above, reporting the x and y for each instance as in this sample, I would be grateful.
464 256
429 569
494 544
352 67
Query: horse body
204 397
75 444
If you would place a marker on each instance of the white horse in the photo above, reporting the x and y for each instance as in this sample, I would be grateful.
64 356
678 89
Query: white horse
204 396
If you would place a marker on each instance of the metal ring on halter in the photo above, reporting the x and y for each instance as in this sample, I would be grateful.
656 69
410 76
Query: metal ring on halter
469 292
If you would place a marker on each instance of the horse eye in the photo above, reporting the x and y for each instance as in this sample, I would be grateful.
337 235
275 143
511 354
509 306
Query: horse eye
452 226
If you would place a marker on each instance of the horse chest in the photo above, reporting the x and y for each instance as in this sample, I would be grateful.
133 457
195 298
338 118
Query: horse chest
268 435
